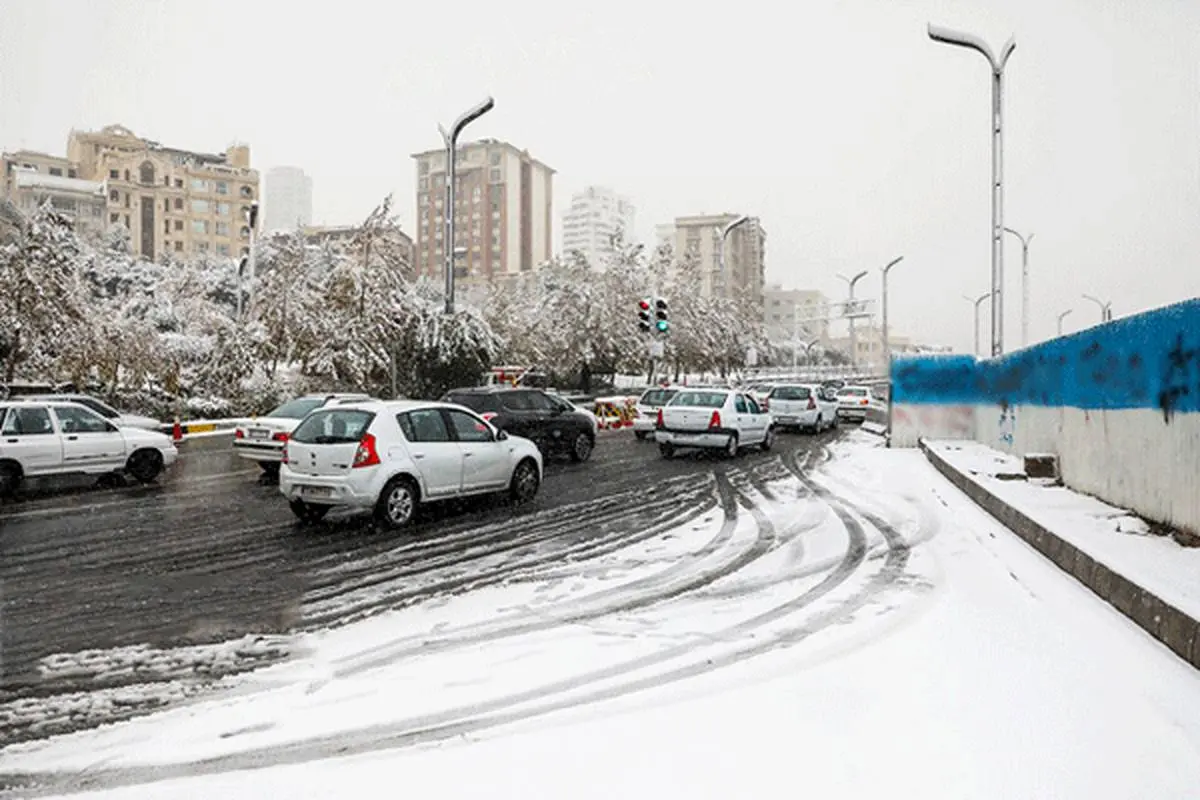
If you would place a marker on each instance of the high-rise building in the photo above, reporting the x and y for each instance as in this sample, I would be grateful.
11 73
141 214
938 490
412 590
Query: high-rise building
502 219
744 271
287 199
172 201
795 314
31 179
595 217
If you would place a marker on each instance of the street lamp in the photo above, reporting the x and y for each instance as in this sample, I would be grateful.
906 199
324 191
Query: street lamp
1105 308
973 42
977 301
450 138
252 223
1060 319
850 311
728 229
1025 240
887 345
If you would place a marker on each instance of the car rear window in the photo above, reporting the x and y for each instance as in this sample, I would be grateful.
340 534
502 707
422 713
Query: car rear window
658 397
333 426
298 409
853 393
472 400
699 399
791 393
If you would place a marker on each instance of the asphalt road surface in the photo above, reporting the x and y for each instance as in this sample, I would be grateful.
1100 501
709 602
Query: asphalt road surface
104 588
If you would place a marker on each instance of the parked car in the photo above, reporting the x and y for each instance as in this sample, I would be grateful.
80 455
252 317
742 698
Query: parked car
389 457
118 418
647 407
853 402
551 423
803 406
261 439
720 419
40 438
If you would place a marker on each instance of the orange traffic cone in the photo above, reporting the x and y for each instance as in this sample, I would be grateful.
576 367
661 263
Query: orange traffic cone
177 431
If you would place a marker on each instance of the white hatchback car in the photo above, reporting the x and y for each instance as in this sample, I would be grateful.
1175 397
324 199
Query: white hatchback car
390 456
44 438
262 438
804 406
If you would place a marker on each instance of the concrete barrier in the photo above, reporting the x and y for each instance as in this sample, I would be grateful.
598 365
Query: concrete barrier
1174 628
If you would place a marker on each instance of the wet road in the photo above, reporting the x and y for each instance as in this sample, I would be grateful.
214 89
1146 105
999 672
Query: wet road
213 554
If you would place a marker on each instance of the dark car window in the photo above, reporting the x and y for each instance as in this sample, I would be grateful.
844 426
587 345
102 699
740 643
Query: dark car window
98 407
298 409
27 421
657 397
540 401
739 404
755 408
75 419
475 401
791 393
699 399
333 426
517 401
468 428
425 425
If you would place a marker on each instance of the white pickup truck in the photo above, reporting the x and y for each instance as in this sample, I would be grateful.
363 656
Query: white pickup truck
717 419
804 406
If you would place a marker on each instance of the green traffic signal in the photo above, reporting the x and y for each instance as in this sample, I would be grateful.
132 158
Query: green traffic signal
663 325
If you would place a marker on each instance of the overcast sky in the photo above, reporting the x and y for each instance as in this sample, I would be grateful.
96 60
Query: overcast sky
838 122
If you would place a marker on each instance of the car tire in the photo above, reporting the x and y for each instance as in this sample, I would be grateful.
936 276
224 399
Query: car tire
732 447
397 504
307 512
666 450
768 438
10 478
144 465
581 448
524 485
641 435
270 468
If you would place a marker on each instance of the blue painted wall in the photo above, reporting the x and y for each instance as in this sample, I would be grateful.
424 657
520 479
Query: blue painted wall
1151 360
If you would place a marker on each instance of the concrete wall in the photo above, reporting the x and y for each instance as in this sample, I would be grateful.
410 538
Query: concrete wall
1119 404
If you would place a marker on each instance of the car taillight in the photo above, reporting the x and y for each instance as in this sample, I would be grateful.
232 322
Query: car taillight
283 454
812 403
238 434
715 420
658 421
863 402
366 455
280 437
489 415
765 403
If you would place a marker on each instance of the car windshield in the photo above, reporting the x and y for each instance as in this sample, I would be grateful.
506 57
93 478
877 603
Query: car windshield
298 409
791 393
333 426
657 397
852 393
699 399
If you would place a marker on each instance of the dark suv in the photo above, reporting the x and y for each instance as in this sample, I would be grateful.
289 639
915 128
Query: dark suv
552 423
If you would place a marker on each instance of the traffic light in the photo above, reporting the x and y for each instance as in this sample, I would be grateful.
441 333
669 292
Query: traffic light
644 314
663 324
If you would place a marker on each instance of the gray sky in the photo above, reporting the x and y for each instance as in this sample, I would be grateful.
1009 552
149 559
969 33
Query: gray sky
839 122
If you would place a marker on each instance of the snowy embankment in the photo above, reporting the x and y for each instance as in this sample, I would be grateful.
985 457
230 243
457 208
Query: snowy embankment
859 630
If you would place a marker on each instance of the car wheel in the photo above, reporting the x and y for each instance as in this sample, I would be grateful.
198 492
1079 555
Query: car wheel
641 435
144 465
768 438
731 446
667 450
269 468
10 479
525 482
581 449
307 512
397 503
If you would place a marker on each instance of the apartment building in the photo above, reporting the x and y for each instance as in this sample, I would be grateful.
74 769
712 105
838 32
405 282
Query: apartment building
795 314
173 201
593 220
699 237
287 199
32 179
502 215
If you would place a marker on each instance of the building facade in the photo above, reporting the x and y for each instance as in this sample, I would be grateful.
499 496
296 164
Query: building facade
172 201
795 314
744 272
287 199
592 222
32 179
502 215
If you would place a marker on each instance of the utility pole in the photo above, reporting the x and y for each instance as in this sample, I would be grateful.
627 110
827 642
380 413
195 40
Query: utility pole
1025 240
850 310
887 345
450 138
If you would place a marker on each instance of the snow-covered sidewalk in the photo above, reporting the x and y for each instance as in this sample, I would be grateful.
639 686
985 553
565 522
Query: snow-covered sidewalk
1159 568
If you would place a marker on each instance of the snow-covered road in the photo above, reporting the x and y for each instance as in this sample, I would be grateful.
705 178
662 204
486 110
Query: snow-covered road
849 628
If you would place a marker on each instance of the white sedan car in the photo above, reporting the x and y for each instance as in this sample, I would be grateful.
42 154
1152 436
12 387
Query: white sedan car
262 438
805 406
721 419
647 409
389 457
44 438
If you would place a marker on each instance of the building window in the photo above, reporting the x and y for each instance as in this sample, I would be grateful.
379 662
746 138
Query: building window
114 218
127 204
423 182
222 229
494 175
246 191
222 187
201 247
166 204
179 204
166 180
178 185
126 175
56 171
71 173
200 207
127 224
114 195
223 209
222 249
245 232
494 159
114 175
199 226
178 224
179 247
146 173
199 185
166 226
423 167
423 199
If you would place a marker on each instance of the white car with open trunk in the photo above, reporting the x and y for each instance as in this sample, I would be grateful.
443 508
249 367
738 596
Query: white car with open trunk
647 407
388 457
713 419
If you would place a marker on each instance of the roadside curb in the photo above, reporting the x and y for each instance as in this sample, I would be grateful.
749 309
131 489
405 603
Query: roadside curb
1177 630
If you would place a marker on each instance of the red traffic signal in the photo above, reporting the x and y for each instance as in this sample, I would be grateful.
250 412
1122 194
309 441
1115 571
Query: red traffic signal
644 305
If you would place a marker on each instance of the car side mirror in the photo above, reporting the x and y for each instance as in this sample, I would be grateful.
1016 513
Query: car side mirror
501 436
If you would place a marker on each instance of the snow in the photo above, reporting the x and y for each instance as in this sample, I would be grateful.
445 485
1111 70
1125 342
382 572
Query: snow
954 663
1114 536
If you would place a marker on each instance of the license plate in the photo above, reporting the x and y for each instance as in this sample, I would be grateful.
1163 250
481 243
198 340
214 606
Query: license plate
316 491
258 433
787 419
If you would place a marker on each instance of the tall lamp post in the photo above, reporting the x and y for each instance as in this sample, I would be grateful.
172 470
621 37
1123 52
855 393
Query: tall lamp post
251 223
850 311
450 138
1060 319
1025 240
973 42
728 229
977 301
1105 308
887 345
